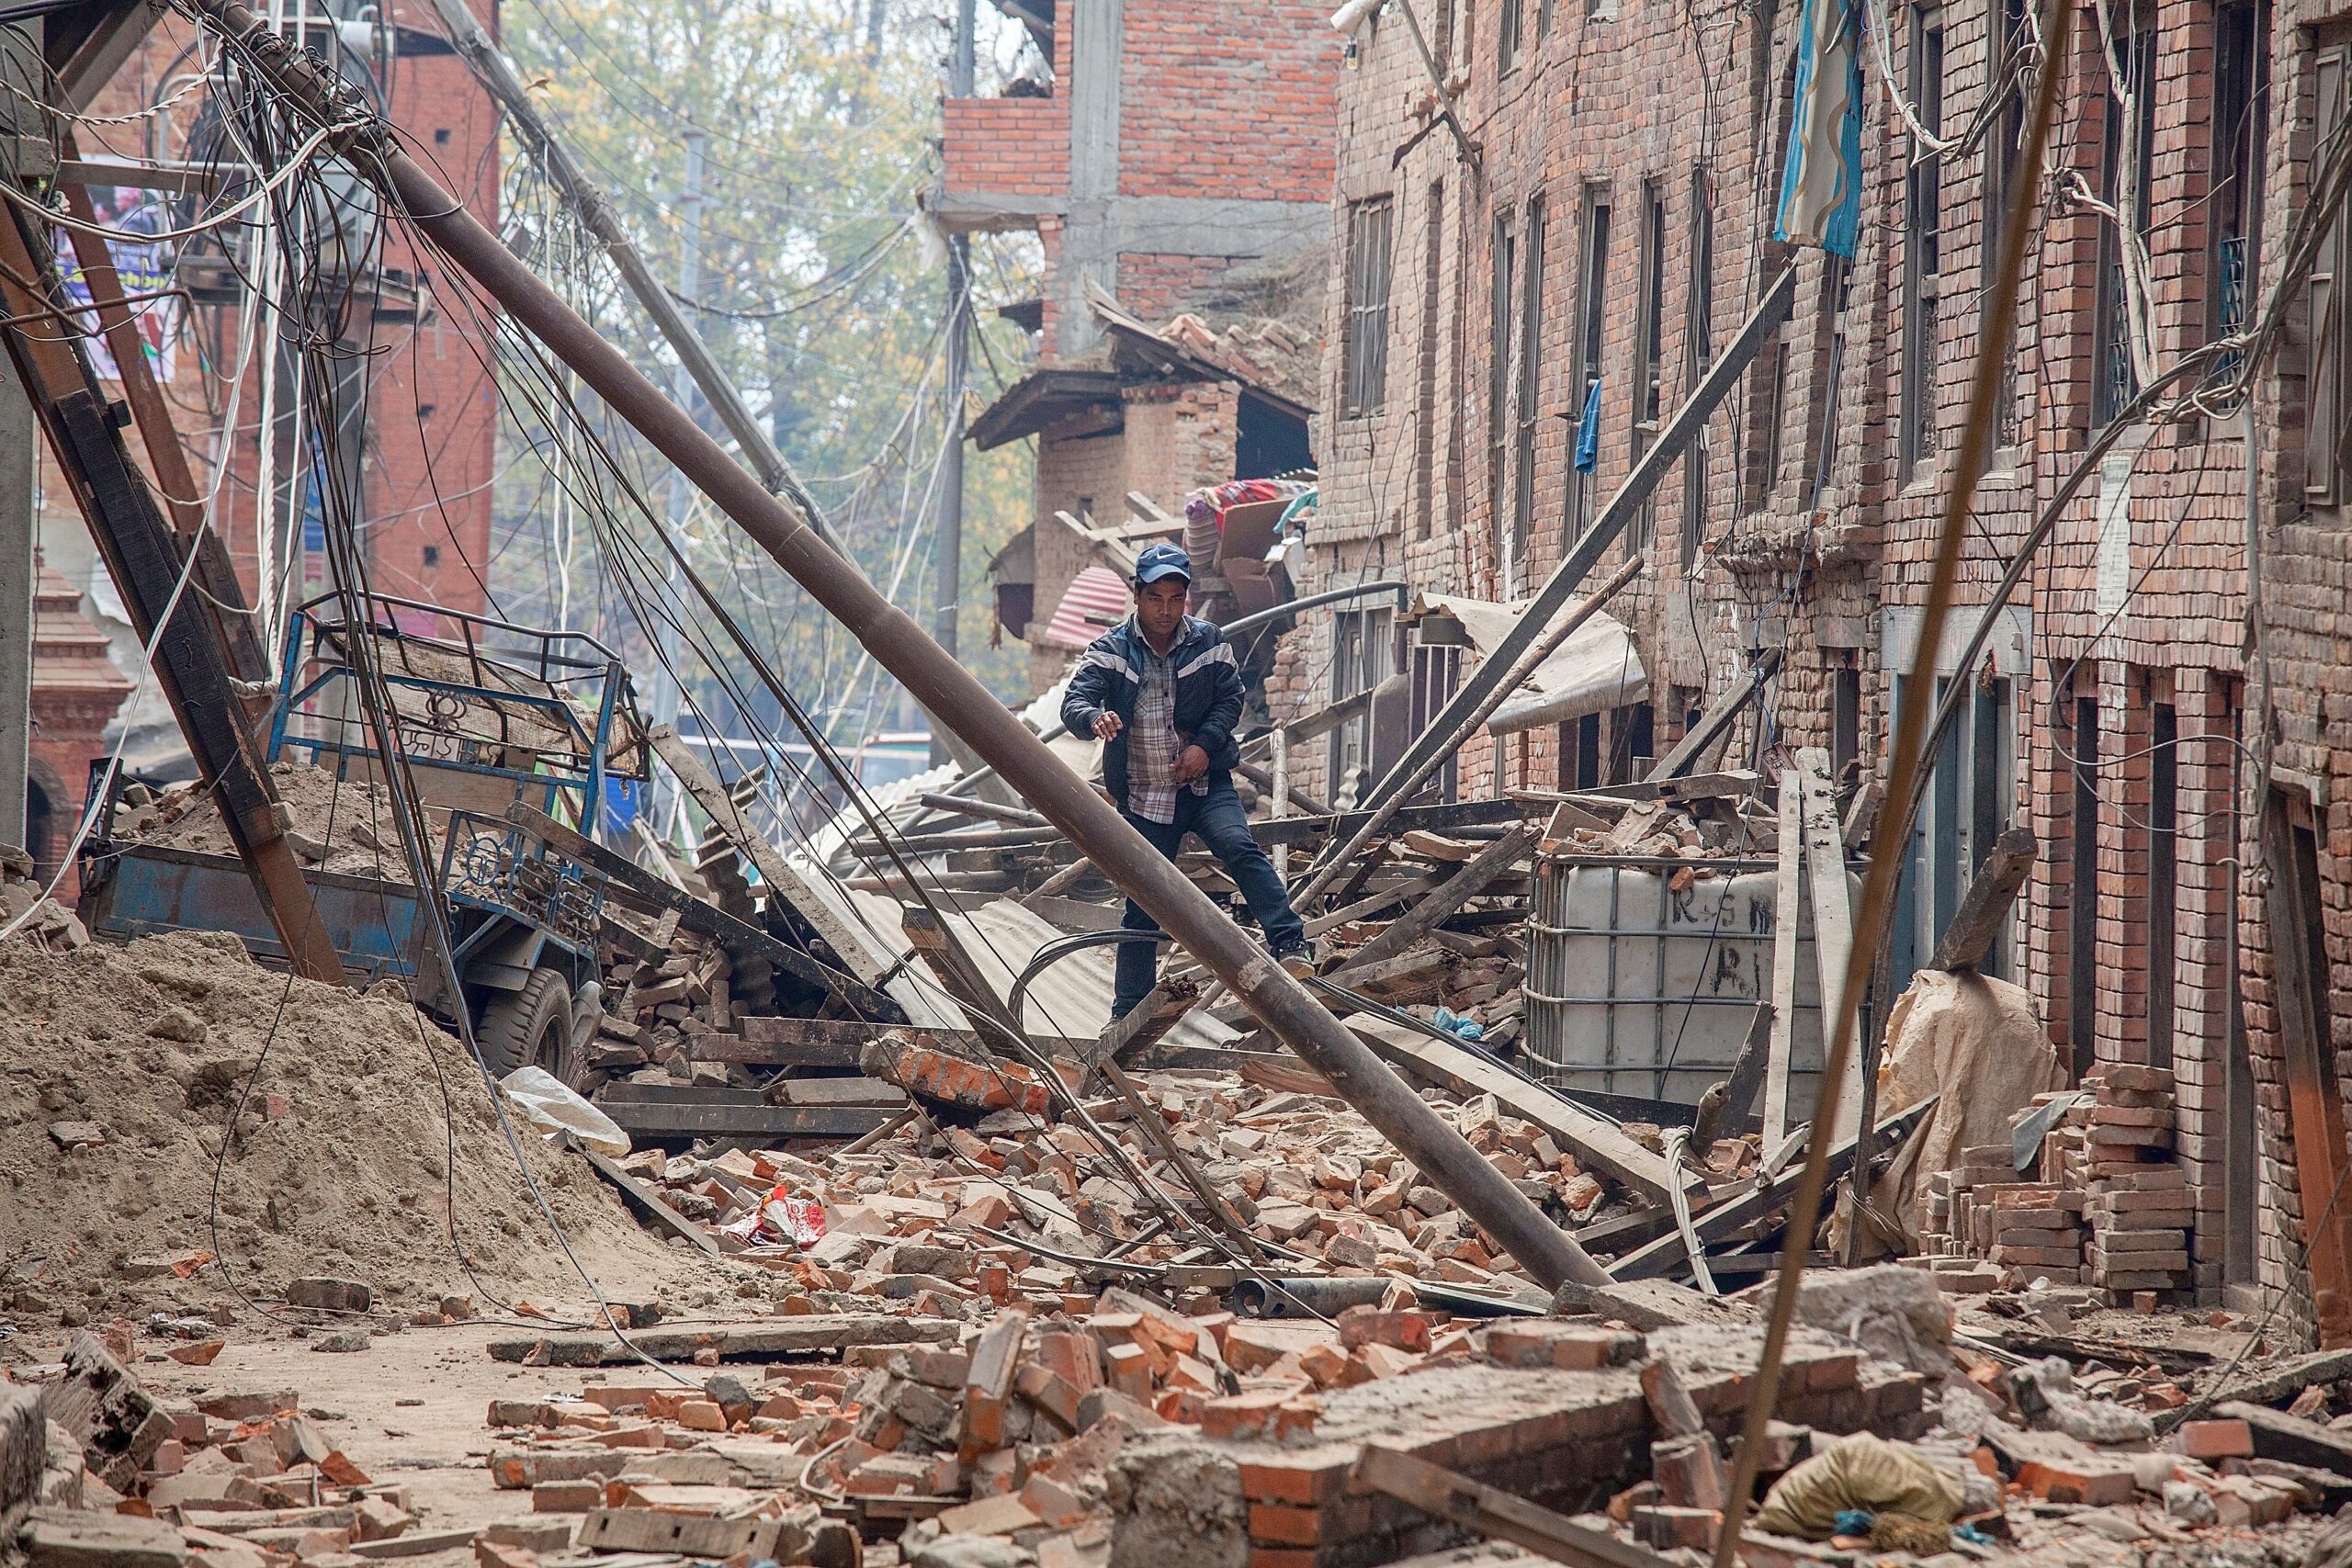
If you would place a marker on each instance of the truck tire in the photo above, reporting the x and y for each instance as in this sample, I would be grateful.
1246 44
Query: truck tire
531 1027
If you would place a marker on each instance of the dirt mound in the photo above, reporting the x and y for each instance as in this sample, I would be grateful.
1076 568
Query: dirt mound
351 820
341 1163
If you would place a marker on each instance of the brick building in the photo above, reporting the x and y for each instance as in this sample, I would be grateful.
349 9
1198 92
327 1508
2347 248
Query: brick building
1607 233
421 403
1177 162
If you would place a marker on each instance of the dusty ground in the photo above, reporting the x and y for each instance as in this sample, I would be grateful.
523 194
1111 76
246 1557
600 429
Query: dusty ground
410 1408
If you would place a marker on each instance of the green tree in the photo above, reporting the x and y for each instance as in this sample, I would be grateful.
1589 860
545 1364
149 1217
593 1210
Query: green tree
821 294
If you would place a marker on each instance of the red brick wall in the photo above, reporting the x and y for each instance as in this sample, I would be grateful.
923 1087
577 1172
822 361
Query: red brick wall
1005 147
1227 98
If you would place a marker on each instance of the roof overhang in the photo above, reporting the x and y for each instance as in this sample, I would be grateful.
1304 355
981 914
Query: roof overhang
1040 398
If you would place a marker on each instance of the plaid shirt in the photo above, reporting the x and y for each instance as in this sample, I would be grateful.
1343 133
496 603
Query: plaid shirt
1153 744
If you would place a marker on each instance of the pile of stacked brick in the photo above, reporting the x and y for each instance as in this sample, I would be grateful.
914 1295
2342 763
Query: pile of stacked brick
1979 1209
2140 1212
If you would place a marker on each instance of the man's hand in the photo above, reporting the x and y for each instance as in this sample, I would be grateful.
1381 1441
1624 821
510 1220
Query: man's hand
1191 763
1107 726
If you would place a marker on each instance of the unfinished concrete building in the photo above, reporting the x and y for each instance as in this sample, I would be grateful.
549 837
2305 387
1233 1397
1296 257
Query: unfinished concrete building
1179 160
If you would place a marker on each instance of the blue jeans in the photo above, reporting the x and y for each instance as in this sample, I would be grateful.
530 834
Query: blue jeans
1222 825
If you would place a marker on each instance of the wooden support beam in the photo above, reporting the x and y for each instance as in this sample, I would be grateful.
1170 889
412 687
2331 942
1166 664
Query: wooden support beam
1723 1110
677 1110
160 438
853 950
1491 1511
193 666
1147 1024
937 944
1019 816
645 1201
641 890
1347 710
1722 1221
1461 1071
1716 720
1761 326
1483 869
1833 917
1998 880
1788 911
2314 1107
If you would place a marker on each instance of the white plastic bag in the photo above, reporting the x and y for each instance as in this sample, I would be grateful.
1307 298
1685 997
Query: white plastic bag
545 1104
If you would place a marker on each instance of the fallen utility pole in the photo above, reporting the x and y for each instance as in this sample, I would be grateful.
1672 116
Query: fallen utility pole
943 686
1434 742
193 665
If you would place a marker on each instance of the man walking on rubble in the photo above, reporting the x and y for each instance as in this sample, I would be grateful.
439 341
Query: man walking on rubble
1162 693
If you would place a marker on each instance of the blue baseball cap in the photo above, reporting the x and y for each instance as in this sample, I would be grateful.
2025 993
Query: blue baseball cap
1162 560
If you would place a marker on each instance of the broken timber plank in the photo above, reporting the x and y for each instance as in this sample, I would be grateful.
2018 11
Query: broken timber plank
1720 1221
1486 866
646 1202
1833 925
640 890
1584 553
1494 1512
1717 719
678 1111
790 1337
2314 1104
940 948
830 1042
1787 906
1147 1023
1461 1071
1723 1110
1986 903
856 950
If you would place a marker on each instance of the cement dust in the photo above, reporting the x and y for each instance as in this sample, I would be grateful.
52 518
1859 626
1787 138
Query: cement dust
339 1165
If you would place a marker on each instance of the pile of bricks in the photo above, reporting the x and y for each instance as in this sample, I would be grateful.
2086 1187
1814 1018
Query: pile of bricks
2114 1212
692 989
1979 1213
2118 1151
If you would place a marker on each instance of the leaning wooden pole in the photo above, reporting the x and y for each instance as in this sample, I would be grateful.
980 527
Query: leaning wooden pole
193 666
1904 756
902 647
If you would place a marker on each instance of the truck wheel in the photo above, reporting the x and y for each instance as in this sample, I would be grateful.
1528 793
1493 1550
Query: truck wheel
528 1027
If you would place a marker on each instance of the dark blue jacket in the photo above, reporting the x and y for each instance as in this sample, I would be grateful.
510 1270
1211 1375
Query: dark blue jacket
1208 694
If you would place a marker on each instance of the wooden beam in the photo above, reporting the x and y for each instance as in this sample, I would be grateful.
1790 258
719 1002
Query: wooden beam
1762 326
1347 710
641 890
194 667
1723 1110
937 944
1484 868
2314 1107
854 949
685 1113
1459 1070
1985 905
1788 911
1145 1024
1833 920
1721 1221
1719 717
648 1202
1494 1512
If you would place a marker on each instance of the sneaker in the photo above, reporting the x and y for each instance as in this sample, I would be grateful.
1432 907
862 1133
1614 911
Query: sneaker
1297 960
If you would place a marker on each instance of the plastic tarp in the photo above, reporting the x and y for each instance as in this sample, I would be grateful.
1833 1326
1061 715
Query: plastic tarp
1595 670
1974 1042
541 1099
